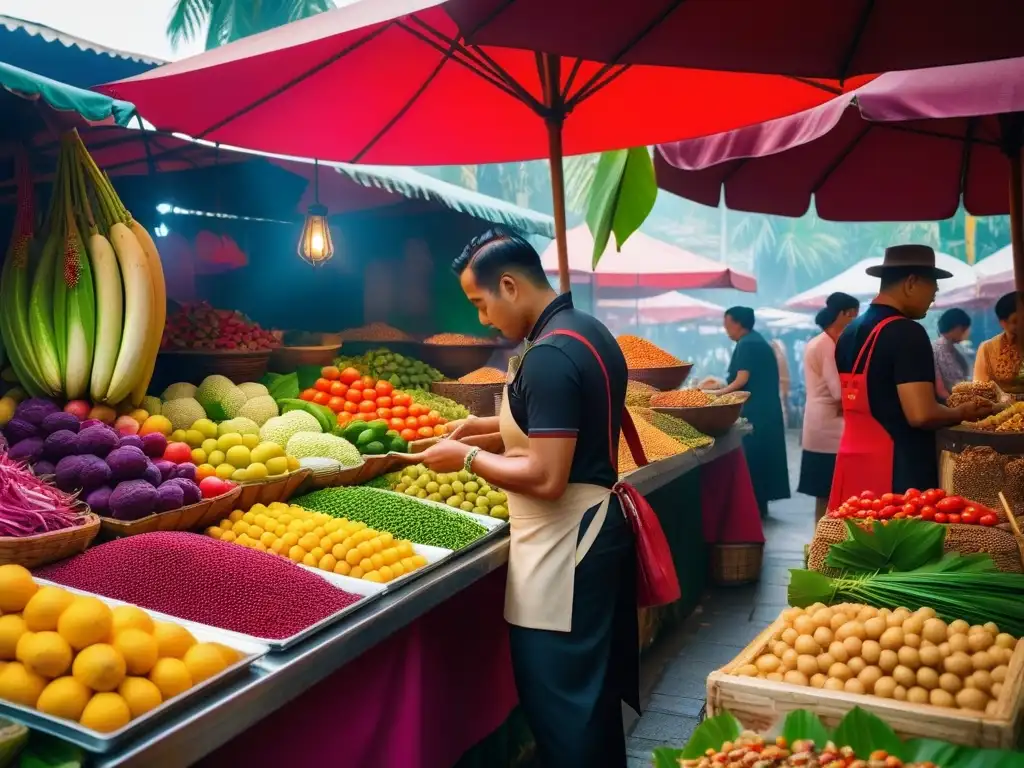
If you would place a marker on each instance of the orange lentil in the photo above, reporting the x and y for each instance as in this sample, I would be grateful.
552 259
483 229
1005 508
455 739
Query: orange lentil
640 353
375 332
681 398
483 376
456 339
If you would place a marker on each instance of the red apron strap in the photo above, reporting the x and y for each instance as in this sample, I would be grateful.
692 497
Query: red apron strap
868 349
628 427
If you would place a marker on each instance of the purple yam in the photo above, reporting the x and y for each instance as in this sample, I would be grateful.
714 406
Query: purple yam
43 468
99 500
169 496
35 409
127 463
154 444
192 493
152 475
93 472
133 440
61 420
94 423
97 440
29 449
166 469
67 473
132 499
61 443
186 471
19 429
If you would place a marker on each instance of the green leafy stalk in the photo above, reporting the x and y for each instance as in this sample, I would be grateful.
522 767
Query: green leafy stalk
621 198
896 545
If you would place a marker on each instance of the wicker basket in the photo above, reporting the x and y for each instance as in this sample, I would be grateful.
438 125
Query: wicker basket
287 359
356 347
195 516
329 477
477 398
44 548
714 420
455 360
271 490
195 365
664 379
375 466
733 565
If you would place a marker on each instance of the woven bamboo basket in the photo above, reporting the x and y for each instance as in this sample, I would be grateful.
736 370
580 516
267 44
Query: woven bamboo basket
454 360
193 517
664 379
329 478
714 420
733 565
375 466
194 365
477 398
271 490
762 704
44 548
999 544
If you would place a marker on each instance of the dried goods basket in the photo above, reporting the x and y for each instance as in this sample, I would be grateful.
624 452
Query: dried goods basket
271 489
174 365
734 565
455 360
713 420
477 398
663 379
760 704
193 517
288 357
44 548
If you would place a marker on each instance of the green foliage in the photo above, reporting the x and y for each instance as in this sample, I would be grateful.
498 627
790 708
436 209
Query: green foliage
226 20
898 545
623 194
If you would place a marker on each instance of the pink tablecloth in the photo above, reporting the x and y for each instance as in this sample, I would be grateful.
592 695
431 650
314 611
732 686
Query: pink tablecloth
419 699
728 506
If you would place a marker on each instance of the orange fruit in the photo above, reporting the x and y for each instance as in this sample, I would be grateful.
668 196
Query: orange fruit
408 435
321 398
330 372
425 431
383 413
367 406
336 404
349 375
323 385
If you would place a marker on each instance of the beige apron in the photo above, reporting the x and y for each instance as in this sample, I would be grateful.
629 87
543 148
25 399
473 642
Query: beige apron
544 550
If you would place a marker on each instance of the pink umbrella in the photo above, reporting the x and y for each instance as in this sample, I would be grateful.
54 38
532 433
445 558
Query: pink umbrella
994 276
671 307
643 267
906 147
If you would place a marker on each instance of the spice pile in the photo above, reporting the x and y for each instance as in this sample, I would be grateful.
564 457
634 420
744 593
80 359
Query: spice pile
640 353
449 409
639 394
375 332
752 751
656 444
483 376
222 585
457 340
675 428
681 398
979 473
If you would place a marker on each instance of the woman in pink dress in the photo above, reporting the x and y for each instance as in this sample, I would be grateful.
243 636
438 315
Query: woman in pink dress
823 414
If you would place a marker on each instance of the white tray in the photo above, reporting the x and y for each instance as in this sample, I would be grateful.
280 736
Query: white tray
366 588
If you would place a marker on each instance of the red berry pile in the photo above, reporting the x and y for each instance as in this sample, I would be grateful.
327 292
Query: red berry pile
932 504
200 326
200 579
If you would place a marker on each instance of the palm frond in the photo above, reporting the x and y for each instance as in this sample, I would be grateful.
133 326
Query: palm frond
187 20
303 9
579 172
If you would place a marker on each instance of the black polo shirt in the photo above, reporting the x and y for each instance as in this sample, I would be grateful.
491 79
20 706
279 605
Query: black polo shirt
559 390
903 355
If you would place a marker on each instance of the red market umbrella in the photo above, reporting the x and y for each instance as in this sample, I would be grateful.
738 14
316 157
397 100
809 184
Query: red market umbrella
393 82
671 307
908 146
643 267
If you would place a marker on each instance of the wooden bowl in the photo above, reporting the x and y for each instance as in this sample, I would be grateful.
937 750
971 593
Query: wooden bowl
287 359
354 348
174 365
713 420
478 398
664 379
455 360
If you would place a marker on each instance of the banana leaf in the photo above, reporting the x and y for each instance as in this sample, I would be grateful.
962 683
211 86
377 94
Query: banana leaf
897 545
45 751
866 733
801 724
711 734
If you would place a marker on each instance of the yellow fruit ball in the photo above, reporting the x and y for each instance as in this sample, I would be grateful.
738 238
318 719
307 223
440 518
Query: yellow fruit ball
171 677
85 622
372 576
20 685
194 438
397 569
203 661
159 424
376 560
172 640
255 532
140 694
230 655
327 563
237 456
131 617
139 649
293 463
45 653
309 560
45 607
16 588
214 531
366 564
198 456
276 466
225 471
264 452
296 554
419 561
257 471
228 441
65 697
390 556
356 573
106 712
386 574
177 436
342 568
100 667
404 548
215 458
235 516
140 415
229 536
250 441
268 539
290 539
207 427
209 445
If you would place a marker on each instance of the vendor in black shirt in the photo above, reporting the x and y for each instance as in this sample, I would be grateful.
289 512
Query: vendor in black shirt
571 592
887 369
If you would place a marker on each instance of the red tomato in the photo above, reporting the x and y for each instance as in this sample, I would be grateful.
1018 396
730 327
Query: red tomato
321 398
876 505
415 409
853 500
384 387
412 422
864 504
408 434
861 514
307 395
367 406
434 415
424 421
351 407
349 375
330 372
911 493
356 385
928 512
399 411
951 504
887 498
908 510
362 417
970 516
354 395
396 423
425 431
440 430
933 495
988 519
867 495
336 404
384 413
383 401
897 498
954 517
888 511
344 418
338 389
401 398
368 381
323 385
371 395
941 517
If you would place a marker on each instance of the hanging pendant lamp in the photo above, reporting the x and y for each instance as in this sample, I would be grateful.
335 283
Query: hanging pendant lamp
315 244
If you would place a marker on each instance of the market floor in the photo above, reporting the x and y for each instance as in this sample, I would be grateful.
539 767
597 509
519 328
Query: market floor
674 670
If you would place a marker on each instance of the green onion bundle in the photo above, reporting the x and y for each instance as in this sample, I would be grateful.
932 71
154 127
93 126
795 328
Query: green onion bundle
975 596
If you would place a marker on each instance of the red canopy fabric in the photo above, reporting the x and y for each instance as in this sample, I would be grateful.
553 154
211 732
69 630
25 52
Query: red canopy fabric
372 82
644 263
908 146
809 38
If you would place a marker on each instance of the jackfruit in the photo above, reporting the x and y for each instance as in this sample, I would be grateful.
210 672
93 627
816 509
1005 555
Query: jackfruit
183 412
178 391
259 408
280 429
304 445
253 389
220 398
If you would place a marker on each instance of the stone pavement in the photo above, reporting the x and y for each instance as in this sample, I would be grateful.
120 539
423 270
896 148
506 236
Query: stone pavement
675 670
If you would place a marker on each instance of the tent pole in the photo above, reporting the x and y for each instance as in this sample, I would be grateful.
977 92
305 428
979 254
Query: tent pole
549 66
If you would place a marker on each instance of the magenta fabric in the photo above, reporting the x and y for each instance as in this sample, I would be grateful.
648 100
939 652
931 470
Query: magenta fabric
810 38
728 506
908 146
370 82
644 264
420 699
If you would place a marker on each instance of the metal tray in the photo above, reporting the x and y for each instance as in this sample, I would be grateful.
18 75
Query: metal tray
94 741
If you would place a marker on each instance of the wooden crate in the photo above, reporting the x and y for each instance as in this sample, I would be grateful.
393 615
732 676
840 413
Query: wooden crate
761 704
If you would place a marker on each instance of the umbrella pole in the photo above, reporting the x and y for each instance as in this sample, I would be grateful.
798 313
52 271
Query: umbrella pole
558 200
1017 235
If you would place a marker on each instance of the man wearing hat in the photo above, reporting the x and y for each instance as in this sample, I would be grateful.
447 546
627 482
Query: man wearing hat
887 371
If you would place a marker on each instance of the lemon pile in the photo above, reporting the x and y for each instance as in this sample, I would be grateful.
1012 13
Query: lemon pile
73 657
331 544
235 456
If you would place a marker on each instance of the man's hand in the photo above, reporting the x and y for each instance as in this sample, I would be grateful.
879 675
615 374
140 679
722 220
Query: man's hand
445 456
470 426
975 410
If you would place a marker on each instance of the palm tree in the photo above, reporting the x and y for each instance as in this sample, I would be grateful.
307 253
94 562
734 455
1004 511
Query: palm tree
225 21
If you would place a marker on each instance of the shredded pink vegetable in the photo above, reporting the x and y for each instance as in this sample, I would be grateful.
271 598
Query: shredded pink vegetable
30 506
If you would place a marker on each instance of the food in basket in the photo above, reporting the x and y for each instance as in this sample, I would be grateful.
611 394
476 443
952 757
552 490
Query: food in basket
675 428
374 438
483 375
201 326
461 490
933 504
979 473
241 457
375 332
996 420
457 339
750 750
230 587
449 409
76 658
893 654
982 390
681 398
401 371
639 394
29 506
320 541
307 446
656 444
398 514
641 353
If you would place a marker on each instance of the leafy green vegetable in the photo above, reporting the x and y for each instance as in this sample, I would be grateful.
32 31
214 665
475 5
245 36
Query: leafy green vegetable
711 734
45 751
622 196
866 732
325 416
801 724
282 386
897 545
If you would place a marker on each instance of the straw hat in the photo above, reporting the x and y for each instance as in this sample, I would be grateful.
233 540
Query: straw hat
919 258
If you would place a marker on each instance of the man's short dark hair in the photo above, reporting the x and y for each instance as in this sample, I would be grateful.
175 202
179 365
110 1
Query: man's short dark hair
742 315
952 319
1006 306
893 276
496 252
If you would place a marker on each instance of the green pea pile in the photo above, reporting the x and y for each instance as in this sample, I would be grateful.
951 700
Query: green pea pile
403 516
447 408
677 429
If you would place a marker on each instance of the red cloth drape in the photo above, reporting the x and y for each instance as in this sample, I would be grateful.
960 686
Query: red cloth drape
728 506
